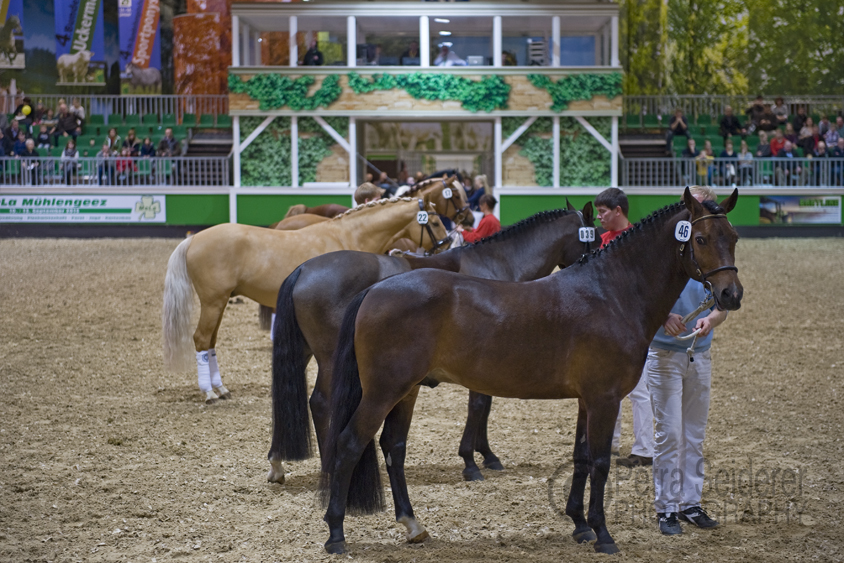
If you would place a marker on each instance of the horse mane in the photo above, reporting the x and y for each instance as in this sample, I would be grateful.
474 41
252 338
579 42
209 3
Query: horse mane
424 184
524 225
375 203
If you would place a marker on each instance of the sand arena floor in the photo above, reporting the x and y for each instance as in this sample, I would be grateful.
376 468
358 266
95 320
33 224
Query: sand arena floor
105 457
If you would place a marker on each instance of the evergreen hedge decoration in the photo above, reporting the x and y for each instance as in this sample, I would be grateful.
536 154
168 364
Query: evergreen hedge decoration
274 91
578 87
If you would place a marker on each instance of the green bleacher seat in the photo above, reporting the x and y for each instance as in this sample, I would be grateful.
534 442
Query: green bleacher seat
651 122
150 119
224 121
712 130
114 119
189 119
56 151
179 131
132 119
206 121
816 117
95 119
168 120
144 166
89 129
704 119
633 121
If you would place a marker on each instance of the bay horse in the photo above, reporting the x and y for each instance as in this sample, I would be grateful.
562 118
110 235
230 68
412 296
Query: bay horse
329 210
581 333
313 298
232 259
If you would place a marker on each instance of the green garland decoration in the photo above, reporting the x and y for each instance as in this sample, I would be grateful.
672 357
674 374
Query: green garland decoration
488 94
578 87
274 91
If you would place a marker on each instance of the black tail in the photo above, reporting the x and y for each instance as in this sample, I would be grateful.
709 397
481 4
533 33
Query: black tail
265 317
366 495
291 423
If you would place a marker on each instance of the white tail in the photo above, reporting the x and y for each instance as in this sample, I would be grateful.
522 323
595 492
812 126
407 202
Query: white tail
177 310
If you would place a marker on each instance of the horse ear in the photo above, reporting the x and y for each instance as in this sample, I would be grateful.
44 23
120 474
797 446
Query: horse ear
569 206
588 212
729 203
693 205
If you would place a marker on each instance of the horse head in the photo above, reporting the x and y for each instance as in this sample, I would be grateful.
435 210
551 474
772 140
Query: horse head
450 199
425 227
15 23
577 241
711 252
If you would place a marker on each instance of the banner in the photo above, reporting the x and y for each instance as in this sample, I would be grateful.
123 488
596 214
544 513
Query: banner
11 34
799 210
80 47
82 209
140 46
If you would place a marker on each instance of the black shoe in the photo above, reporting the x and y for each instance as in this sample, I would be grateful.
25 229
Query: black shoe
668 523
634 460
698 517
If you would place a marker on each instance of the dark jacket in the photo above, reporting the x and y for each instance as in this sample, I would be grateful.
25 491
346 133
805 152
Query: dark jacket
730 125
169 147
67 123
313 58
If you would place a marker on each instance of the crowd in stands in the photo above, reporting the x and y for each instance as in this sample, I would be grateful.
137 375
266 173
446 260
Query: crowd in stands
475 189
767 132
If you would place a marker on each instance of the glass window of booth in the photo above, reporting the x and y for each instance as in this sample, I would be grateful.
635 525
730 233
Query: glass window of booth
526 41
461 41
321 41
388 41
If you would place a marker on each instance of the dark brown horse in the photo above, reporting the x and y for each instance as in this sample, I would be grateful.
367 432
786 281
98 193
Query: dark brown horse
313 298
581 333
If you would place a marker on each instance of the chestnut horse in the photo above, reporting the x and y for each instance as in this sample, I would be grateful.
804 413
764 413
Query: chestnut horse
329 210
313 298
233 259
581 333
296 222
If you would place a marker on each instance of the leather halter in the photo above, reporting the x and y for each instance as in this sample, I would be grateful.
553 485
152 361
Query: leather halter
700 274
583 224
427 226
457 212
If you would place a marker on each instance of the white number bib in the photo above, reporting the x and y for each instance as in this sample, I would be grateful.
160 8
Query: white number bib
447 193
586 234
422 217
683 231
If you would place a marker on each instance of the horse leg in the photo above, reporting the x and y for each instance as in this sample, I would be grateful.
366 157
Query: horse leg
491 460
320 403
394 446
203 338
470 437
600 422
216 379
574 507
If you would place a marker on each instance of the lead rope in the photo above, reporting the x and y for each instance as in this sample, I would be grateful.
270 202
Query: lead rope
707 303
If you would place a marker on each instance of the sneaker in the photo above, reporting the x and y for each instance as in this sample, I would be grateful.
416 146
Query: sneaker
668 523
634 460
698 517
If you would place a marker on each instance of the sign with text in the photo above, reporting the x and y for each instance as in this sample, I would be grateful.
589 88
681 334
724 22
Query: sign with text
80 43
82 209
800 210
140 46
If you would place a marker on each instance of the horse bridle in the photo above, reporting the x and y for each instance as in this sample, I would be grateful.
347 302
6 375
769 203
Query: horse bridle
700 274
427 226
457 212
587 243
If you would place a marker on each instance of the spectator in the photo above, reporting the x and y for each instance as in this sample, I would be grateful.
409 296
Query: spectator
839 125
169 146
125 167
132 143
389 186
25 102
411 54
70 162
800 119
480 186
760 116
730 124
690 151
706 162
790 134
5 144
832 135
49 119
2 147
780 111
67 125
31 162
20 144
489 225
820 164
810 143
729 160
113 140
313 57
508 58
778 142
78 110
38 112
448 57
806 130
43 141
105 166
678 125
367 192
838 152
12 131
745 165
824 124
788 172
147 148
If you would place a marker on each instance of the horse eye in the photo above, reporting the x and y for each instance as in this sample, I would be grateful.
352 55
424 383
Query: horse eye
700 240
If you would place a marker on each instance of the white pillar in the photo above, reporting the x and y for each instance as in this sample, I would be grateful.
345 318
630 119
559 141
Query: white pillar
294 151
555 41
605 35
236 171
424 41
496 41
294 46
497 152
351 41
235 41
555 132
353 153
614 46
614 154
244 45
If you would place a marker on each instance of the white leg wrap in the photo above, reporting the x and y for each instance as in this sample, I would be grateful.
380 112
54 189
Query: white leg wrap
272 327
415 532
216 380
203 371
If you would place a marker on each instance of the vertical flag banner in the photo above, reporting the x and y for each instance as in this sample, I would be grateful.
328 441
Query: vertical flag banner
140 46
11 34
80 46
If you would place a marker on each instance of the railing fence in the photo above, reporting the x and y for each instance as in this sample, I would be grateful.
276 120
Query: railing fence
695 105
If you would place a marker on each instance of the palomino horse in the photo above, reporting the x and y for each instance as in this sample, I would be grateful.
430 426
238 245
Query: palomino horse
313 298
233 259
329 210
580 333
296 222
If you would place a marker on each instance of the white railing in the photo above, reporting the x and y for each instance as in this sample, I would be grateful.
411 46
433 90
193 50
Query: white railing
695 105
726 172
115 171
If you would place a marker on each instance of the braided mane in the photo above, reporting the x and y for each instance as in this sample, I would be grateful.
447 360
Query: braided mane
523 225
375 203
424 184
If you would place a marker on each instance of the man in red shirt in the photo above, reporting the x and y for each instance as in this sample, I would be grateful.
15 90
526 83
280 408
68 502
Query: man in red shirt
489 225
612 209
778 142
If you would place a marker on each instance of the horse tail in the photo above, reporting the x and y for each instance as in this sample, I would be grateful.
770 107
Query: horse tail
296 210
366 495
177 310
291 423
265 317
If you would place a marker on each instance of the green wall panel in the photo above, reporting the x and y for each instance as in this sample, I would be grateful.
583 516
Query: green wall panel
200 209
265 210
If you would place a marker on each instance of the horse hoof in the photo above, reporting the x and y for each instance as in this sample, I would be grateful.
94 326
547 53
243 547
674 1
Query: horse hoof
494 465
472 475
584 536
223 393
335 548
210 398
273 477
420 538
606 548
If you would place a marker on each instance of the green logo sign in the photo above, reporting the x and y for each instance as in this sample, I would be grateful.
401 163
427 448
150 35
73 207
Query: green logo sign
148 206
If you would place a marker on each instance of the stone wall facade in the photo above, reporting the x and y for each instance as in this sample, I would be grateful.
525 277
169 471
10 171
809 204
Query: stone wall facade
334 168
517 170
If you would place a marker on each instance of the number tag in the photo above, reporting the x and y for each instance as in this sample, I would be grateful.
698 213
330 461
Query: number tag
422 217
683 231
447 193
586 234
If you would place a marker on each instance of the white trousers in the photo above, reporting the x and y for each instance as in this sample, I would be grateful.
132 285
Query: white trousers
680 397
643 420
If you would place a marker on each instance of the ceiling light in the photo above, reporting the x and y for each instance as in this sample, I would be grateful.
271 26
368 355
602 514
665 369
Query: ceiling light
446 33
442 20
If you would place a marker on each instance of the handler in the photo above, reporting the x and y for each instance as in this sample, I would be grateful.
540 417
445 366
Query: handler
489 225
679 385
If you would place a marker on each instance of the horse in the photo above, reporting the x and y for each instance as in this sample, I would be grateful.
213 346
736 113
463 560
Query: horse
144 79
296 222
11 27
232 259
328 210
582 333
313 298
